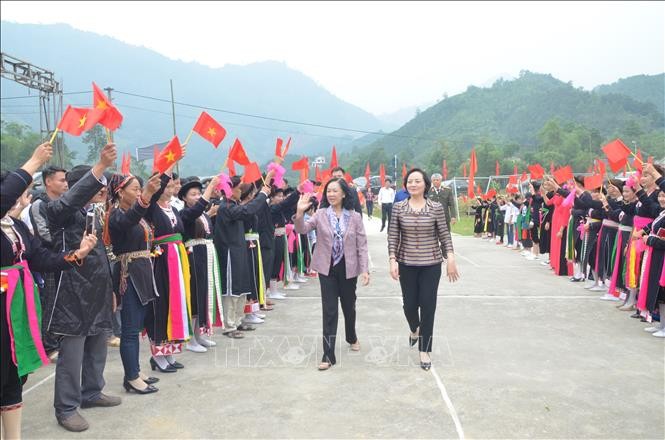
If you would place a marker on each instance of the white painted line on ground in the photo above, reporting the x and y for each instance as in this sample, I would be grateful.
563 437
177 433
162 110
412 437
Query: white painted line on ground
41 382
449 403
467 259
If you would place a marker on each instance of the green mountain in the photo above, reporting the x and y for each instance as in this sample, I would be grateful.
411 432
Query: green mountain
644 88
265 89
533 117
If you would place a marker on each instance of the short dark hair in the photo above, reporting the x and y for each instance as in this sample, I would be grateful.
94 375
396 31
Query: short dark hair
247 191
616 182
428 182
174 176
235 181
338 168
50 171
347 202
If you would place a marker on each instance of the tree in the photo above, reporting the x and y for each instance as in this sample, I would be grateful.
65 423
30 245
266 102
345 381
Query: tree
95 139
632 130
18 142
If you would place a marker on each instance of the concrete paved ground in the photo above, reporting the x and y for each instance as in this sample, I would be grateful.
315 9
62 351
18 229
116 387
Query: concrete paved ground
518 353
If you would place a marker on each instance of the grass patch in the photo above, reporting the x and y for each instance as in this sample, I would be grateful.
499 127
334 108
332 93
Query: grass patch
464 225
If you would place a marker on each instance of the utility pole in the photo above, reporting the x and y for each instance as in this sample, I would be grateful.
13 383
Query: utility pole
38 78
177 165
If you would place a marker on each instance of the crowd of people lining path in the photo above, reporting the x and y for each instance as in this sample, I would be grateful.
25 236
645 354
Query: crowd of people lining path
100 258
610 240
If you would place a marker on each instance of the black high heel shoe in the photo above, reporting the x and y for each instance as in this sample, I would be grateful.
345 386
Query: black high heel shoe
129 387
176 364
426 365
150 380
169 369
413 341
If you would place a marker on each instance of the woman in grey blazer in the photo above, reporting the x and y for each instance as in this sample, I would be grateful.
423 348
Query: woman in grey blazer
340 257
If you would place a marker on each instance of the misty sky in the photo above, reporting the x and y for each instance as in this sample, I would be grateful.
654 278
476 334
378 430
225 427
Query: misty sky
386 56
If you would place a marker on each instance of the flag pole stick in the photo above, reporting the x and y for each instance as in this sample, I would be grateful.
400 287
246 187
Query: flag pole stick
636 157
108 136
189 136
53 136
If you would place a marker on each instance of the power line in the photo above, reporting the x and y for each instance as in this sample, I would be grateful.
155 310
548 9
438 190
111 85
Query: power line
250 115
19 113
274 130
287 121
309 124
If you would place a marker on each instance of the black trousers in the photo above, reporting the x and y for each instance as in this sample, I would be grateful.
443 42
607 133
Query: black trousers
419 285
334 286
278 258
500 228
267 258
386 211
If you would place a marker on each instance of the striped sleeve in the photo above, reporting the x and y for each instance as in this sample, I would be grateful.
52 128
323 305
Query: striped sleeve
394 232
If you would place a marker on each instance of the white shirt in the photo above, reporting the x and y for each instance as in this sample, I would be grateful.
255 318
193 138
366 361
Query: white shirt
386 195
25 217
511 213
177 203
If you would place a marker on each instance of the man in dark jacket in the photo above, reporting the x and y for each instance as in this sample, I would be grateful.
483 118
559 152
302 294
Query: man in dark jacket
83 302
445 196
55 185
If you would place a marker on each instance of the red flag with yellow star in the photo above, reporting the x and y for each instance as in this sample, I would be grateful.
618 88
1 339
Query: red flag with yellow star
169 155
209 129
252 173
237 154
111 117
77 120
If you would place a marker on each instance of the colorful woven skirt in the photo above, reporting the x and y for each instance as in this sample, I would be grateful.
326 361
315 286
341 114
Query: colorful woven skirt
23 315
